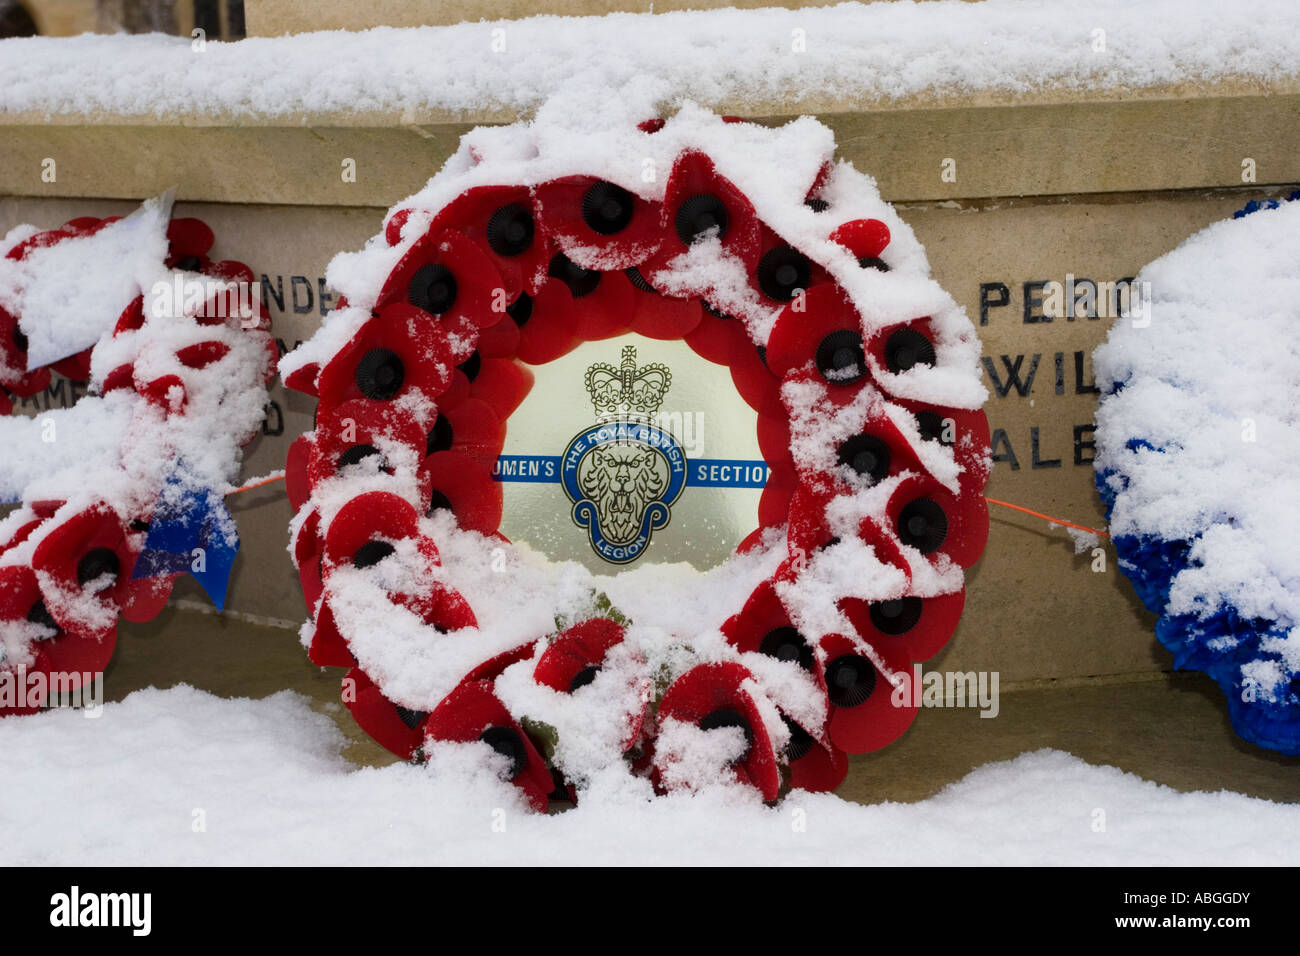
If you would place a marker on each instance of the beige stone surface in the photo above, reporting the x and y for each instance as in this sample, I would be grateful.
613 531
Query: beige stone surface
1041 148
61 18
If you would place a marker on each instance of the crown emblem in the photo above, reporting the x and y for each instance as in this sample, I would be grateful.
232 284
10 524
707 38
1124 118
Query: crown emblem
627 389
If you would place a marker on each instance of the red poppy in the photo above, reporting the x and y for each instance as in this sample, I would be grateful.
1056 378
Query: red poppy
717 336
875 452
698 201
394 225
14 375
369 518
824 337
583 213
233 307
304 379
783 272
189 242
121 377
711 696
816 764
472 428
546 322
449 279
492 668
659 316
232 271
774 441
865 714
132 317
327 646
926 516
965 431
921 626
472 712
74 647
439 606
353 431
202 354
399 352
83 551
601 302
819 183
898 349
166 391
465 487
72 229
574 657
777 497
503 222
75 367
499 340
362 534
502 384
46 507
21 533
395 728
810 531
764 627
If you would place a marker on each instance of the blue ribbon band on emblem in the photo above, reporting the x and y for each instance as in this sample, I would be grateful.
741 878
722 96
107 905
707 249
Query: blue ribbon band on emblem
700 472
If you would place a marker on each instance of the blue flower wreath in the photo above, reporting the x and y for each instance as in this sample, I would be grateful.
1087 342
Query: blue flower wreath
1220 643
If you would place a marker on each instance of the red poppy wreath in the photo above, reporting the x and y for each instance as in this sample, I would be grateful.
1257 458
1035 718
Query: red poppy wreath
174 387
784 272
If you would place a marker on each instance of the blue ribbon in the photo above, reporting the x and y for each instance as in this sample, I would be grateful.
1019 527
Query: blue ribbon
191 532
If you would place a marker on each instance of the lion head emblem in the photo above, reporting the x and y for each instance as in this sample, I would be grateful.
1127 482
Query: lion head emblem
621 481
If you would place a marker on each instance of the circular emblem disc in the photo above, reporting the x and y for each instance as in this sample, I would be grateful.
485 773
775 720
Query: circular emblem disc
631 450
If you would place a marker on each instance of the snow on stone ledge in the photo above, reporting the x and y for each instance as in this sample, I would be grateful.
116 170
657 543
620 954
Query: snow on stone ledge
862 54
274 790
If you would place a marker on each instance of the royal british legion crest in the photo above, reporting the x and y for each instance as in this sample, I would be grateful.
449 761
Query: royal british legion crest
623 473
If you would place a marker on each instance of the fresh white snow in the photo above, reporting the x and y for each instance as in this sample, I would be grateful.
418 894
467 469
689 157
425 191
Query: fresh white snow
182 777
864 53
1210 385
69 294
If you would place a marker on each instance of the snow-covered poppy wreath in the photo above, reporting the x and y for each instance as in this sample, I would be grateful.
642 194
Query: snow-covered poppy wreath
765 257
173 392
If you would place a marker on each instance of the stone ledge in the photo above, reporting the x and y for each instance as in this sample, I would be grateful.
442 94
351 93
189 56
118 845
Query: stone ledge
1037 148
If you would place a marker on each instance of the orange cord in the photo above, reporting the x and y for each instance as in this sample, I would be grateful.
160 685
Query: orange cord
992 501
256 484
1039 514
